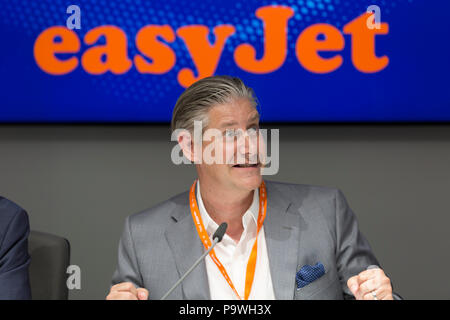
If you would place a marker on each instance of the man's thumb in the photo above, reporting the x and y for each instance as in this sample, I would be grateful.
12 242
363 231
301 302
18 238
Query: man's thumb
142 293
353 284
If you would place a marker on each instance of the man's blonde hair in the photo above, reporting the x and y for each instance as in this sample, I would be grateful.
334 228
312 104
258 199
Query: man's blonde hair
195 102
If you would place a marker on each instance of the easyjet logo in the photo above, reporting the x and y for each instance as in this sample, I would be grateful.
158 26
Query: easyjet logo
155 56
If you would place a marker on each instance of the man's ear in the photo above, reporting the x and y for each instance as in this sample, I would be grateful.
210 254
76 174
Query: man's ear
186 144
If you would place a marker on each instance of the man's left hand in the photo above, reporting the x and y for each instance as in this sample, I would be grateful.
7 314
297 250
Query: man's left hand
371 284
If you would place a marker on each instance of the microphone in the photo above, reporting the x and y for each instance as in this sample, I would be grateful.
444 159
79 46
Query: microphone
217 237
220 232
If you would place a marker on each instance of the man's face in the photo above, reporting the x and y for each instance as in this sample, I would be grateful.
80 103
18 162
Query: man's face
232 137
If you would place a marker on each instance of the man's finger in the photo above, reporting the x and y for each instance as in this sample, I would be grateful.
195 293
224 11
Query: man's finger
369 274
123 286
121 295
368 286
388 296
353 284
369 296
382 293
142 294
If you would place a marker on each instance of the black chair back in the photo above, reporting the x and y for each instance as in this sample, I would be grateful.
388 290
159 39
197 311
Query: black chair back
50 257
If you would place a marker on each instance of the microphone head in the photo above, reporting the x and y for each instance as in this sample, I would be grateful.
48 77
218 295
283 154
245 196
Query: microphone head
220 232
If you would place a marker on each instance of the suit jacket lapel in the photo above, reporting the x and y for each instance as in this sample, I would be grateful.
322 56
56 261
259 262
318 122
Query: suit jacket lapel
281 228
186 249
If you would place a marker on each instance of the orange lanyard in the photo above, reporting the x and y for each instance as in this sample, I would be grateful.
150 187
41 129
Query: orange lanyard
251 264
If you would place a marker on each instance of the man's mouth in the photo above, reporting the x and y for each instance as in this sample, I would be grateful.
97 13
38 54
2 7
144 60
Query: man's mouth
246 165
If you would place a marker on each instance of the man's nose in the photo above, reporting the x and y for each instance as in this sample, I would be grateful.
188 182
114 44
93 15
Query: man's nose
247 144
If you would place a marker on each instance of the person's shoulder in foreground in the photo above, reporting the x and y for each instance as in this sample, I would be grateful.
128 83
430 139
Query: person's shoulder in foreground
14 257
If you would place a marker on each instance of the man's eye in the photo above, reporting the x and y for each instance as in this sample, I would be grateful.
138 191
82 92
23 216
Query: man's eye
252 131
230 133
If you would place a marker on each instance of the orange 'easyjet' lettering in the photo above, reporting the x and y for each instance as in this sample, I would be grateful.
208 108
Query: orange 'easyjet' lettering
155 56
308 46
45 49
275 44
204 54
162 56
115 51
363 44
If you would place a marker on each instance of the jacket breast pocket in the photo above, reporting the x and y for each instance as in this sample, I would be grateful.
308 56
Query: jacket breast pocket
327 287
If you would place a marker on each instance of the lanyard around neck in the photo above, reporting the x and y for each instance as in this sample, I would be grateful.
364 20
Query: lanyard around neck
251 264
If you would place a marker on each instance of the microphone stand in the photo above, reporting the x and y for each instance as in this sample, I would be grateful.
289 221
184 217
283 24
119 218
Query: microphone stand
215 241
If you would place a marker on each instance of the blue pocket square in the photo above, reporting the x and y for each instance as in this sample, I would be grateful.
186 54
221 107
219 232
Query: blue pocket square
308 274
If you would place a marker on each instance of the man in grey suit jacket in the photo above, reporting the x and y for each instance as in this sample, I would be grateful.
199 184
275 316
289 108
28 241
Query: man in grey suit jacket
309 235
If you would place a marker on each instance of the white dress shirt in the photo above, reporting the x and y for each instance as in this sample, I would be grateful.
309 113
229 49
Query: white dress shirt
234 257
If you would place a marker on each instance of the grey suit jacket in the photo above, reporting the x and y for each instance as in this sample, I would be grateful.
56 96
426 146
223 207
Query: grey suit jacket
304 225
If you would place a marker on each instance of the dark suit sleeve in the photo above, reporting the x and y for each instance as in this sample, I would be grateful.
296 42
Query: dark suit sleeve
14 257
353 252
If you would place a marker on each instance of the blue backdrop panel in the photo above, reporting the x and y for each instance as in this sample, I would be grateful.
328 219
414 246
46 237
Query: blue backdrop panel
414 87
